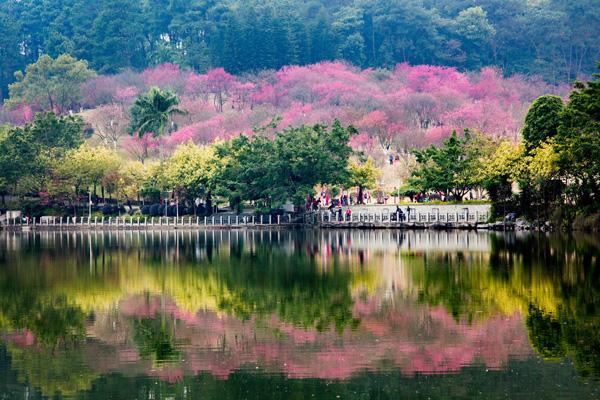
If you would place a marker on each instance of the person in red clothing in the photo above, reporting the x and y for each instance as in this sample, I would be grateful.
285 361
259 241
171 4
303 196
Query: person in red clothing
348 213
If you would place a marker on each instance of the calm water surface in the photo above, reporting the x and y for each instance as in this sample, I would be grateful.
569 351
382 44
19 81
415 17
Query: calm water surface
296 315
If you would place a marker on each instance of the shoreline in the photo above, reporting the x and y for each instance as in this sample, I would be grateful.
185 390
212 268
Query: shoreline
286 226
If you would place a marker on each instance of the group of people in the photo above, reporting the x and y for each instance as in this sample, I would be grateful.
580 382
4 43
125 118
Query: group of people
340 214
326 200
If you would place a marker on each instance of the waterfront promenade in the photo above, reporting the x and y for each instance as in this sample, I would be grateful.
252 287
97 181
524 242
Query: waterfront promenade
408 217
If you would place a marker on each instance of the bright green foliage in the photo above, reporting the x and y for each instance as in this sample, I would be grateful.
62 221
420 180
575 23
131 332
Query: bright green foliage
451 169
138 176
152 112
364 176
191 170
503 164
50 84
542 162
88 166
287 168
500 169
542 120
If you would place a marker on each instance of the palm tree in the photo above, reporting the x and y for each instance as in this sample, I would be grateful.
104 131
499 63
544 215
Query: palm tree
152 112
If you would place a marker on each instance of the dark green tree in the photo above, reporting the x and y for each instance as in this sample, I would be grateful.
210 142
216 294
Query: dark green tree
152 112
50 84
450 169
286 168
579 144
542 120
118 37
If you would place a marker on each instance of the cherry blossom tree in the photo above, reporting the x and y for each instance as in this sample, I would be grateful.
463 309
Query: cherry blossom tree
219 84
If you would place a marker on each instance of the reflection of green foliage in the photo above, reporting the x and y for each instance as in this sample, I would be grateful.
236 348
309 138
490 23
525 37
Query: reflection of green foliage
53 371
552 280
267 281
52 321
454 285
58 321
155 340
544 334
583 344
243 281
566 335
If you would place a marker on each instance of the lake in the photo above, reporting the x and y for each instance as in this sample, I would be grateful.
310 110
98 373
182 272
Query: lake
262 314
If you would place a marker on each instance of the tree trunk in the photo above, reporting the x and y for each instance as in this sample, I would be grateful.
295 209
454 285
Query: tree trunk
209 203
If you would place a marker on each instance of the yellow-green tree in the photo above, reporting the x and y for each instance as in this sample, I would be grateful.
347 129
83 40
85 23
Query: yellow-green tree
135 177
500 169
364 176
88 166
190 171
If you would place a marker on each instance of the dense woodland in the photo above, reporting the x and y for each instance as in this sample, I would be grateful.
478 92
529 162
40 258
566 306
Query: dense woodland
556 39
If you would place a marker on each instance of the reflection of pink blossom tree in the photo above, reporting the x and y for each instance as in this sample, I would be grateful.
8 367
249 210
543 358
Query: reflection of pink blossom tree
402 334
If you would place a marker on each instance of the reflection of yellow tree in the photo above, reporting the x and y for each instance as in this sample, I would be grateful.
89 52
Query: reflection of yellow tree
272 282
62 371
468 287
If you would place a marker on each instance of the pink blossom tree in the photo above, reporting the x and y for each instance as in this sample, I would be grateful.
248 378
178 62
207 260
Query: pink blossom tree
219 84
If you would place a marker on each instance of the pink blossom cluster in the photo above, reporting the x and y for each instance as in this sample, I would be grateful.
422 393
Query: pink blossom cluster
402 108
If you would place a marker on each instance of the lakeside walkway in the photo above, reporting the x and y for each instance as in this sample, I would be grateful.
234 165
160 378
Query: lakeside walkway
361 217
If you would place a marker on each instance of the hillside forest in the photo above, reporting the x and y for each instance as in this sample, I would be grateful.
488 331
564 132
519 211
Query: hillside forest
555 39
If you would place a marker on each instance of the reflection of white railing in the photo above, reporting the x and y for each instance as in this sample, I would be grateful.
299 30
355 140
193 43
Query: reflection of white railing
368 241
371 240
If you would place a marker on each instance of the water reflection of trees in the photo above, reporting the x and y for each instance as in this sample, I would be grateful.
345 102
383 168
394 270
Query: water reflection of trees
329 290
572 265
